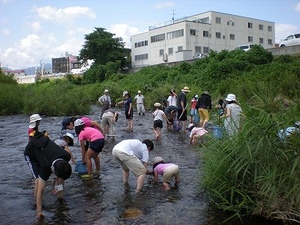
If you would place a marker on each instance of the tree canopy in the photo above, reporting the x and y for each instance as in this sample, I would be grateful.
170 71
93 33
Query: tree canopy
102 46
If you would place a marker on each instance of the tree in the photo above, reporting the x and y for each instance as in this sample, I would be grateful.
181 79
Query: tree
103 47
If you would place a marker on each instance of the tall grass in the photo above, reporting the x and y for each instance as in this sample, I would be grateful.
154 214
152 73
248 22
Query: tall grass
256 173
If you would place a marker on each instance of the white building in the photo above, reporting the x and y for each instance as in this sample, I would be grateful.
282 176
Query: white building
181 39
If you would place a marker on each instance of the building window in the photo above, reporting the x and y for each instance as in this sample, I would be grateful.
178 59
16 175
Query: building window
170 51
261 40
250 39
249 25
175 34
180 49
205 49
218 19
140 44
232 37
197 49
141 57
218 34
270 42
192 32
157 38
261 27
205 33
161 52
270 28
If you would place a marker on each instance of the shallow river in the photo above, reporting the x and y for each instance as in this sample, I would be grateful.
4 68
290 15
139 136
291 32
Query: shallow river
105 200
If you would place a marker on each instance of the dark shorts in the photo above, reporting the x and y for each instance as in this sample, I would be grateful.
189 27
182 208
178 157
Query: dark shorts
130 116
97 145
158 123
182 117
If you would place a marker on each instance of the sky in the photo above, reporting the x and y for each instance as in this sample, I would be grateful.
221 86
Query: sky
35 31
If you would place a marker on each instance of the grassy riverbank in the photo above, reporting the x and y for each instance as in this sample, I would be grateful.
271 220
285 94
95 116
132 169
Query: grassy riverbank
254 173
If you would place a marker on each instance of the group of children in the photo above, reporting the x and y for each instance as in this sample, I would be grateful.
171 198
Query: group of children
92 139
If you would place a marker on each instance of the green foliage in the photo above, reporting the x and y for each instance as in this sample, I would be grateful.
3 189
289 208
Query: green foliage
11 95
6 79
256 173
101 46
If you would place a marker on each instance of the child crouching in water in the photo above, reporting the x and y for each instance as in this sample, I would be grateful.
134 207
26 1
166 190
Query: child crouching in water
167 171
196 133
96 143
65 141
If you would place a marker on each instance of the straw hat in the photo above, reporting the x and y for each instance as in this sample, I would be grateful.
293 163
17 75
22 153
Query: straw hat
139 92
157 159
157 104
186 89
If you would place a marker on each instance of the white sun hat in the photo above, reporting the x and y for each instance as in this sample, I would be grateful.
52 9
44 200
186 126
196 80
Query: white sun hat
33 119
230 98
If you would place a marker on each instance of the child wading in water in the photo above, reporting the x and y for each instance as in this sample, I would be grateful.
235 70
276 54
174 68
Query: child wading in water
96 143
167 171
158 116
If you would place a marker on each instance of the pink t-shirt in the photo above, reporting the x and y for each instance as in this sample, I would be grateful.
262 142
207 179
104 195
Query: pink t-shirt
198 131
193 103
90 134
160 168
87 121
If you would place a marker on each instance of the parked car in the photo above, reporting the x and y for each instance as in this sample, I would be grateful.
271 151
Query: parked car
199 56
293 39
245 47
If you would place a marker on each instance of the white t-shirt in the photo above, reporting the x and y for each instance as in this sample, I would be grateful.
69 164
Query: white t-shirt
60 142
172 100
134 147
158 114
139 99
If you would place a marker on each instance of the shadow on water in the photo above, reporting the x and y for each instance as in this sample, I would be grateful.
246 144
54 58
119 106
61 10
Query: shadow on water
105 200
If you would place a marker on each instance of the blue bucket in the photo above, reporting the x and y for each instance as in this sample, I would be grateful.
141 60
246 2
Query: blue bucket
217 133
80 167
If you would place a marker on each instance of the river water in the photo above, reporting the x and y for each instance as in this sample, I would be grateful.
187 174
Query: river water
105 200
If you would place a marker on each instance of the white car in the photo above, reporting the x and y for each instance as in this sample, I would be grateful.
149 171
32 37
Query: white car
245 47
199 56
293 39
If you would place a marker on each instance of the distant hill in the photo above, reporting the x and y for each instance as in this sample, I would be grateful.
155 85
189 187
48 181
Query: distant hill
31 70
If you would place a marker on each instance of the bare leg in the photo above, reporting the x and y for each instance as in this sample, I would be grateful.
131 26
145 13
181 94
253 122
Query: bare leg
177 180
204 123
88 156
96 158
156 133
159 133
130 125
166 186
125 176
140 183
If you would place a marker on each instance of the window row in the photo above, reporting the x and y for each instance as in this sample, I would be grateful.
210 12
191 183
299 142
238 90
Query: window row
141 57
170 35
141 44
250 24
